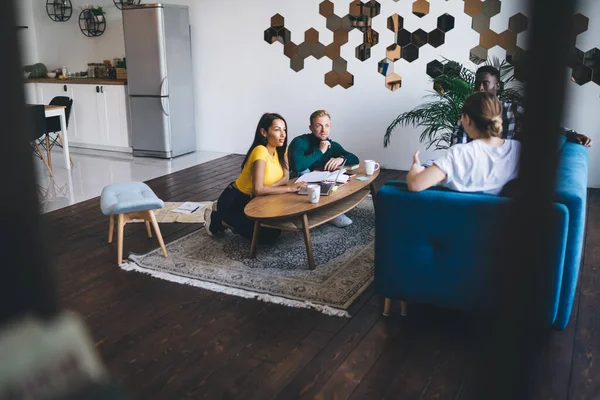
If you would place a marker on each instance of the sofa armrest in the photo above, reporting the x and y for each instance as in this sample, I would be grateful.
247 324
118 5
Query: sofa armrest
440 246
571 190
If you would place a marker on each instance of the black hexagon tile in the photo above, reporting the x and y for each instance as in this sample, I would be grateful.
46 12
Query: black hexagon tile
591 58
435 68
436 38
581 74
445 23
518 23
410 53
575 58
419 38
403 37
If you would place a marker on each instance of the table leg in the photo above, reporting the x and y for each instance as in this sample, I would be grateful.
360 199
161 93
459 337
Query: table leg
308 242
254 239
65 139
373 192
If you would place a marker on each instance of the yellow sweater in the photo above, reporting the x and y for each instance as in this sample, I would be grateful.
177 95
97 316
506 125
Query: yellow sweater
273 170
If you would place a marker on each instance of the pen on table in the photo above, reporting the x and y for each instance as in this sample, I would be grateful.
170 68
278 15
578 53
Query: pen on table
194 210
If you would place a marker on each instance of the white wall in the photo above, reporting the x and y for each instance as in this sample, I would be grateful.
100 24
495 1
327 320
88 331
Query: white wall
238 76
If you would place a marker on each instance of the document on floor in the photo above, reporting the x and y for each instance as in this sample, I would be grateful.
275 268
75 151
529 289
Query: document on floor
188 208
324 176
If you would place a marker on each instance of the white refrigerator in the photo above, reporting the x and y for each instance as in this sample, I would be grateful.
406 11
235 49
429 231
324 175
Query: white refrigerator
159 77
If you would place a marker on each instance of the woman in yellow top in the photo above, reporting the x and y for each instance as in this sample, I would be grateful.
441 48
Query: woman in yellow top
264 171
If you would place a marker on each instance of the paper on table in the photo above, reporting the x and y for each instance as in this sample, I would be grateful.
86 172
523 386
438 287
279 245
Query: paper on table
324 176
188 208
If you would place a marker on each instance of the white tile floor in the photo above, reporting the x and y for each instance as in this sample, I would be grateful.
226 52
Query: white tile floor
95 169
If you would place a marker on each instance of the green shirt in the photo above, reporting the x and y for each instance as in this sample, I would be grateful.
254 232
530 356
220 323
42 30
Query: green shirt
304 154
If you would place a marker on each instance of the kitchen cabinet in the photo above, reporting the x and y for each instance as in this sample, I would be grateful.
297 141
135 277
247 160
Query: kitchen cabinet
98 116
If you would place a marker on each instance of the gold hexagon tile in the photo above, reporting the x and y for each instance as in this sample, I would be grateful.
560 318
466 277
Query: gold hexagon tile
333 51
393 82
488 39
332 79
311 36
393 52
420 8
507 40
290 49
346 80
340 37
473 7
395 23
277 21
326 8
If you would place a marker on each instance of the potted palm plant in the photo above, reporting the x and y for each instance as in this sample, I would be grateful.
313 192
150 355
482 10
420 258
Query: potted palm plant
453 84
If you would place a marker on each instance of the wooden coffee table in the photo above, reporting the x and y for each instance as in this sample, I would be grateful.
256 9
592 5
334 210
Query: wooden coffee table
293 212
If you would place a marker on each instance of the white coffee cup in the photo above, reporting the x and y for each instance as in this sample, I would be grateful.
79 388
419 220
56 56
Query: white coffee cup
314 193
370 166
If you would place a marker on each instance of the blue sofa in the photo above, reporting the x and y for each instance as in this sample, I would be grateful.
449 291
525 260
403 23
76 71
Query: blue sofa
438 246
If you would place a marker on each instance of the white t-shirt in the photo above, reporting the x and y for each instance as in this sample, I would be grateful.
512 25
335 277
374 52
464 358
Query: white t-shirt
479 167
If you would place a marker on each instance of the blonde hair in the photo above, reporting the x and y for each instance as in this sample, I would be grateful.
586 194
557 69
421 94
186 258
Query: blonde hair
319 114
485 111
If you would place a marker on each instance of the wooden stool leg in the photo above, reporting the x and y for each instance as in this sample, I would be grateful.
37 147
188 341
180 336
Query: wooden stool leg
387 306
403 308
308 242
120 226
61 143
48 166
254 239
148 229
158 234
111 228
48 152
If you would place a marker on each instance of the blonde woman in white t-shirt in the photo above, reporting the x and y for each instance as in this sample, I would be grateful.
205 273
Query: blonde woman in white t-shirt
485 164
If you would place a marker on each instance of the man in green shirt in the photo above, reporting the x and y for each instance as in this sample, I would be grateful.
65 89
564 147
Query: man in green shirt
315 151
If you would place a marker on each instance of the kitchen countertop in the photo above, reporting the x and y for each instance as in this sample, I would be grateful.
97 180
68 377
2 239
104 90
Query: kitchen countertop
79 81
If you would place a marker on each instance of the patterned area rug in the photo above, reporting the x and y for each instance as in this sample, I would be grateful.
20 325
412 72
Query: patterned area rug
279 273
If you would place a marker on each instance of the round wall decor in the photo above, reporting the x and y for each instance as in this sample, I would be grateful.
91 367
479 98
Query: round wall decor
90 24
59 10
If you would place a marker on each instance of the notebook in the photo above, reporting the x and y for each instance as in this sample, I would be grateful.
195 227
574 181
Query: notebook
326 187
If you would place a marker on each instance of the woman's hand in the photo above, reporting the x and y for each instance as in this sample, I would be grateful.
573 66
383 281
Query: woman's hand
416 166
295 187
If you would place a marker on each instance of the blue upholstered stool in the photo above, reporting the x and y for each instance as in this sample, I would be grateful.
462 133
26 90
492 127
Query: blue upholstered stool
128 201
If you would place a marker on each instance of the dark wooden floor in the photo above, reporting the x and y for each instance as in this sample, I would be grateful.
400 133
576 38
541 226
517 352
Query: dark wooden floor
162 340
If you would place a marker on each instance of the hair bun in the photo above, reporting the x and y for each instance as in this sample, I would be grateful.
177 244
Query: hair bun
495 125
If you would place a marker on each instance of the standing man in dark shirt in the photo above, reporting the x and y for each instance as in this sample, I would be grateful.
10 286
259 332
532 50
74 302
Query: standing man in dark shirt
487 79
316 151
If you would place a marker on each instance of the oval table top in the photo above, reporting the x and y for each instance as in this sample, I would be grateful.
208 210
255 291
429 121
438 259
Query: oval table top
294 204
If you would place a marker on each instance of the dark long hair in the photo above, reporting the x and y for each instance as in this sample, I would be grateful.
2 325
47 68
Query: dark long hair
259 140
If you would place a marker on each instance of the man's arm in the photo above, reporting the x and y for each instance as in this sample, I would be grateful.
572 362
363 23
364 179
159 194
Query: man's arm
575 137
302 155
338 151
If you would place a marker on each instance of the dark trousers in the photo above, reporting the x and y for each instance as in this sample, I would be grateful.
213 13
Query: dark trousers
230 209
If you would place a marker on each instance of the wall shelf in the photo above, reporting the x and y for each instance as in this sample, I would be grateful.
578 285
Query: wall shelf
91 25
121 3
59 10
